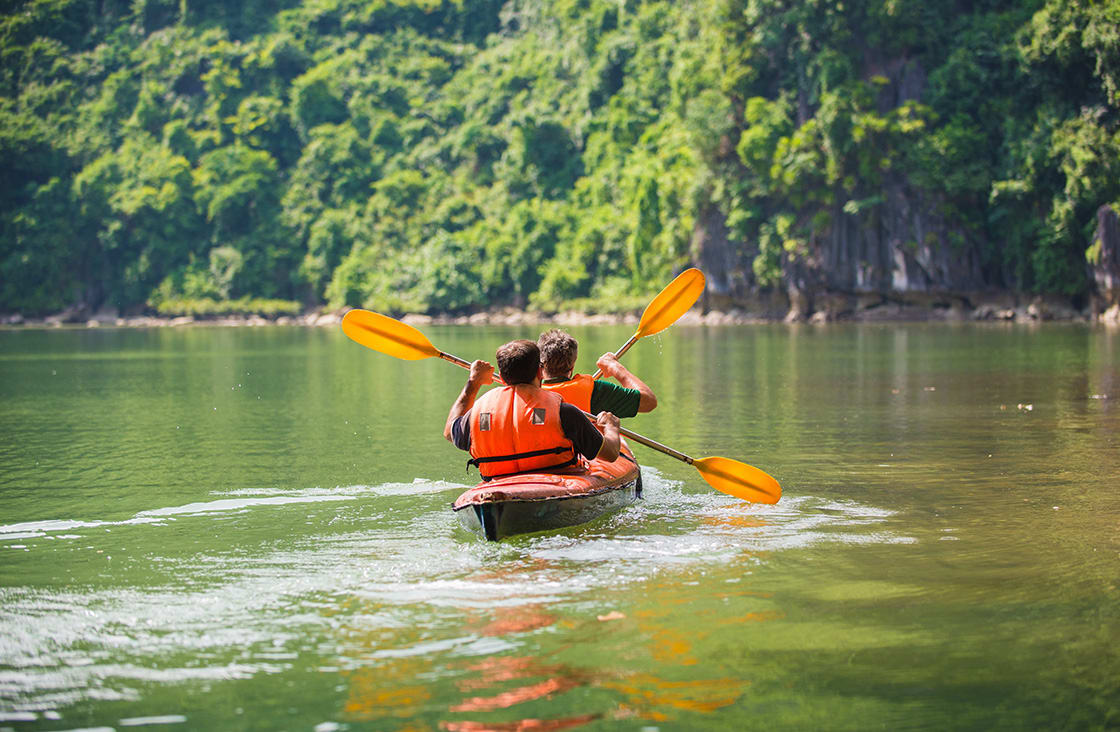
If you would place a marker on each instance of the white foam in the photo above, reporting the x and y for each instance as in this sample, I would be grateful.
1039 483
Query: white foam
40 528
145 721
236 504
419 486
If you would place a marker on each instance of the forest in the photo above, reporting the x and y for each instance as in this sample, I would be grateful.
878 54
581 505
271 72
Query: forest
447 156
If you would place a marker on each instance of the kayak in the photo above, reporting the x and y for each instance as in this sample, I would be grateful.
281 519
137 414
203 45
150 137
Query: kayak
531 502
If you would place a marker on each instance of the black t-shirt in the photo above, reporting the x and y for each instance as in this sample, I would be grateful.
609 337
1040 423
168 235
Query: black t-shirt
578 428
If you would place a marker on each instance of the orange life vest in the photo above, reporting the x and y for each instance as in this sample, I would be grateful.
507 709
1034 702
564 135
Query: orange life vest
517 430
576 390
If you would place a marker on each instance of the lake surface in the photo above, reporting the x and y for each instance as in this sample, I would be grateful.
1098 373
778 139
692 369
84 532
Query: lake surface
222 528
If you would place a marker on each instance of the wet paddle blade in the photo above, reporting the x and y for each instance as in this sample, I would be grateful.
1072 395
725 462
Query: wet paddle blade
671 303
738 479
391 337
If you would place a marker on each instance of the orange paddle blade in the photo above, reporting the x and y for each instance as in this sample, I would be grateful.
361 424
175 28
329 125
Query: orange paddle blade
738 479
671 303
391 337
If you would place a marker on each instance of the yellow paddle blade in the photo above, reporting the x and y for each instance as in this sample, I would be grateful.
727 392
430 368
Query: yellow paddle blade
738 479
391 337
671 303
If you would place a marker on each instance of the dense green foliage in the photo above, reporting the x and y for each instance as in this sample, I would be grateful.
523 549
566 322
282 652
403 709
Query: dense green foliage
419 155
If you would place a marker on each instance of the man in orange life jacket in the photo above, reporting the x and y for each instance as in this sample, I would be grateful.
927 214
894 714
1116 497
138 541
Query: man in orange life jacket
558 357
520 427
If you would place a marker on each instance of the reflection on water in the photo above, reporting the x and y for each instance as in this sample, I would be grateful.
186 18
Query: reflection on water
199 556
559 679
523 724
645 695
390 689
517 619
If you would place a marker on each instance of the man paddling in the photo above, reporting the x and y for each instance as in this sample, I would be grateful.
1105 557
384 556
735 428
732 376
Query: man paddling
558 359
521 427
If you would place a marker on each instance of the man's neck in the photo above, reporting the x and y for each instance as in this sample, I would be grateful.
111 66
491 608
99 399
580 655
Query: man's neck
556 378
535 383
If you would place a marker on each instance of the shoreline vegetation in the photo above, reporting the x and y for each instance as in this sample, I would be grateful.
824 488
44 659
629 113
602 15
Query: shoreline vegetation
1000 307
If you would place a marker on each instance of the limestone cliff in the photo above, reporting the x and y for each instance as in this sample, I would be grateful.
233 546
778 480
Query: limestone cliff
1104 267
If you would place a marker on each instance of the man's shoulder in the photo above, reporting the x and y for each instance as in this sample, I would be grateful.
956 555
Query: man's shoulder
572 418
571 411
604 386
620 400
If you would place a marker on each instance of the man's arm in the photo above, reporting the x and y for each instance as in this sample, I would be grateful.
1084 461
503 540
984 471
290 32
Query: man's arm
608 424
611 366
481 374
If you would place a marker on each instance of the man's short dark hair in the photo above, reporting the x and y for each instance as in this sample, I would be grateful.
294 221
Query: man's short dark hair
558 352
518 362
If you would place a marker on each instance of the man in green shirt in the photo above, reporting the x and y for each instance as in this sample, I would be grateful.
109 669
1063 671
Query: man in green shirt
625 399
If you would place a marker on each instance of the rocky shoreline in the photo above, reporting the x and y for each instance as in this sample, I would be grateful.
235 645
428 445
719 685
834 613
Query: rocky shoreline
825 309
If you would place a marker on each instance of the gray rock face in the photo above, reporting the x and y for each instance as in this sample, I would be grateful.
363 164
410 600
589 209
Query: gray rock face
1104 267
901 260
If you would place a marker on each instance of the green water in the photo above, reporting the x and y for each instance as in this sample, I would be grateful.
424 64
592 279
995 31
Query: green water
251 529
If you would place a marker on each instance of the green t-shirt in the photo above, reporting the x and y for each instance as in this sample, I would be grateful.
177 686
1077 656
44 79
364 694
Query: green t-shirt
607 396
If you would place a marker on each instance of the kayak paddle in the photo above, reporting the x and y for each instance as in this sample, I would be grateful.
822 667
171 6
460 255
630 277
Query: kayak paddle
397 339
665 309
392 337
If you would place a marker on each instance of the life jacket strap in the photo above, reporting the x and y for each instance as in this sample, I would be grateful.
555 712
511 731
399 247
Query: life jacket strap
517 456
565 464
522 455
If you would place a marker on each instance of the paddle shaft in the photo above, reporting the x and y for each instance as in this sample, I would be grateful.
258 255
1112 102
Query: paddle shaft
652 443
460 362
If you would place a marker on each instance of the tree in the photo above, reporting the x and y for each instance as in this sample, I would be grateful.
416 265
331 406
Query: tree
139 219
238 191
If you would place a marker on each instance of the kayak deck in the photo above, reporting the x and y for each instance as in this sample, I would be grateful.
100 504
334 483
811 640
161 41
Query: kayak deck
531 502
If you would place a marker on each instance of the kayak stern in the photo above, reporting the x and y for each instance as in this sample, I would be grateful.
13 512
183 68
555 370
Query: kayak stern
524 504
